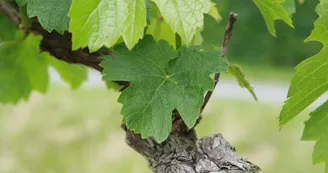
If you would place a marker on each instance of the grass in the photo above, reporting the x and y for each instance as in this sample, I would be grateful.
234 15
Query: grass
79 132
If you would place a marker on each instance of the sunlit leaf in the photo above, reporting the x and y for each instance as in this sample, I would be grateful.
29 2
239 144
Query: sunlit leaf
271 11
184 16
310 80
97 23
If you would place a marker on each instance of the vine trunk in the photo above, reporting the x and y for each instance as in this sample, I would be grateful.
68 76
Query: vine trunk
184 153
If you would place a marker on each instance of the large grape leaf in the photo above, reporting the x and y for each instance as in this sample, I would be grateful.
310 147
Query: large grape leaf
310 80
316 129
95 23
161 79
52 14
186 17
271 11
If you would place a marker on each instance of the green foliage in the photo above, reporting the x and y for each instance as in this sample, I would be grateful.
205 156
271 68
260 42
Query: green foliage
316 129
73 74
8 31
308 84
214 12
52 14
161 79
236 70
112 85
271 11
21 2
253 45
165 69
95 23
185 17
24 68
289 5
26 22
310 80
158 28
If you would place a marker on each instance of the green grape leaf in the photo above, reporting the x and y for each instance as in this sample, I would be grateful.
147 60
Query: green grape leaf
8 31
26 22
161 79
35 64
198 39
301 2
21 2
158 28
289 5
22 69
184 16
149 6
316 129
310 80
271 11
95 23
52 14
236 70
73 74
214 12
14 82
112 85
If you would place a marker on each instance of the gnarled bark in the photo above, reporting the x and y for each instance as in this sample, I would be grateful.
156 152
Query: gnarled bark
183 153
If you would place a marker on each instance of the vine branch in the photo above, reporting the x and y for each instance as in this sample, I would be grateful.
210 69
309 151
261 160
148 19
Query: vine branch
60 46
224 49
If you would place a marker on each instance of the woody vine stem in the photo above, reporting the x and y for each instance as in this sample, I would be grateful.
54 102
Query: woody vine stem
224 49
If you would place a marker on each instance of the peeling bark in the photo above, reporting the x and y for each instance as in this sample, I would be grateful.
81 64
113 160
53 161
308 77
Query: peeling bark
183 153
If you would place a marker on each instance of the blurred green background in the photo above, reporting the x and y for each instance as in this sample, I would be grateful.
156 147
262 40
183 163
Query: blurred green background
79 131
252 43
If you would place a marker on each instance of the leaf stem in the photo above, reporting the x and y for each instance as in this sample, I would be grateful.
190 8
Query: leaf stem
224 49
26 22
